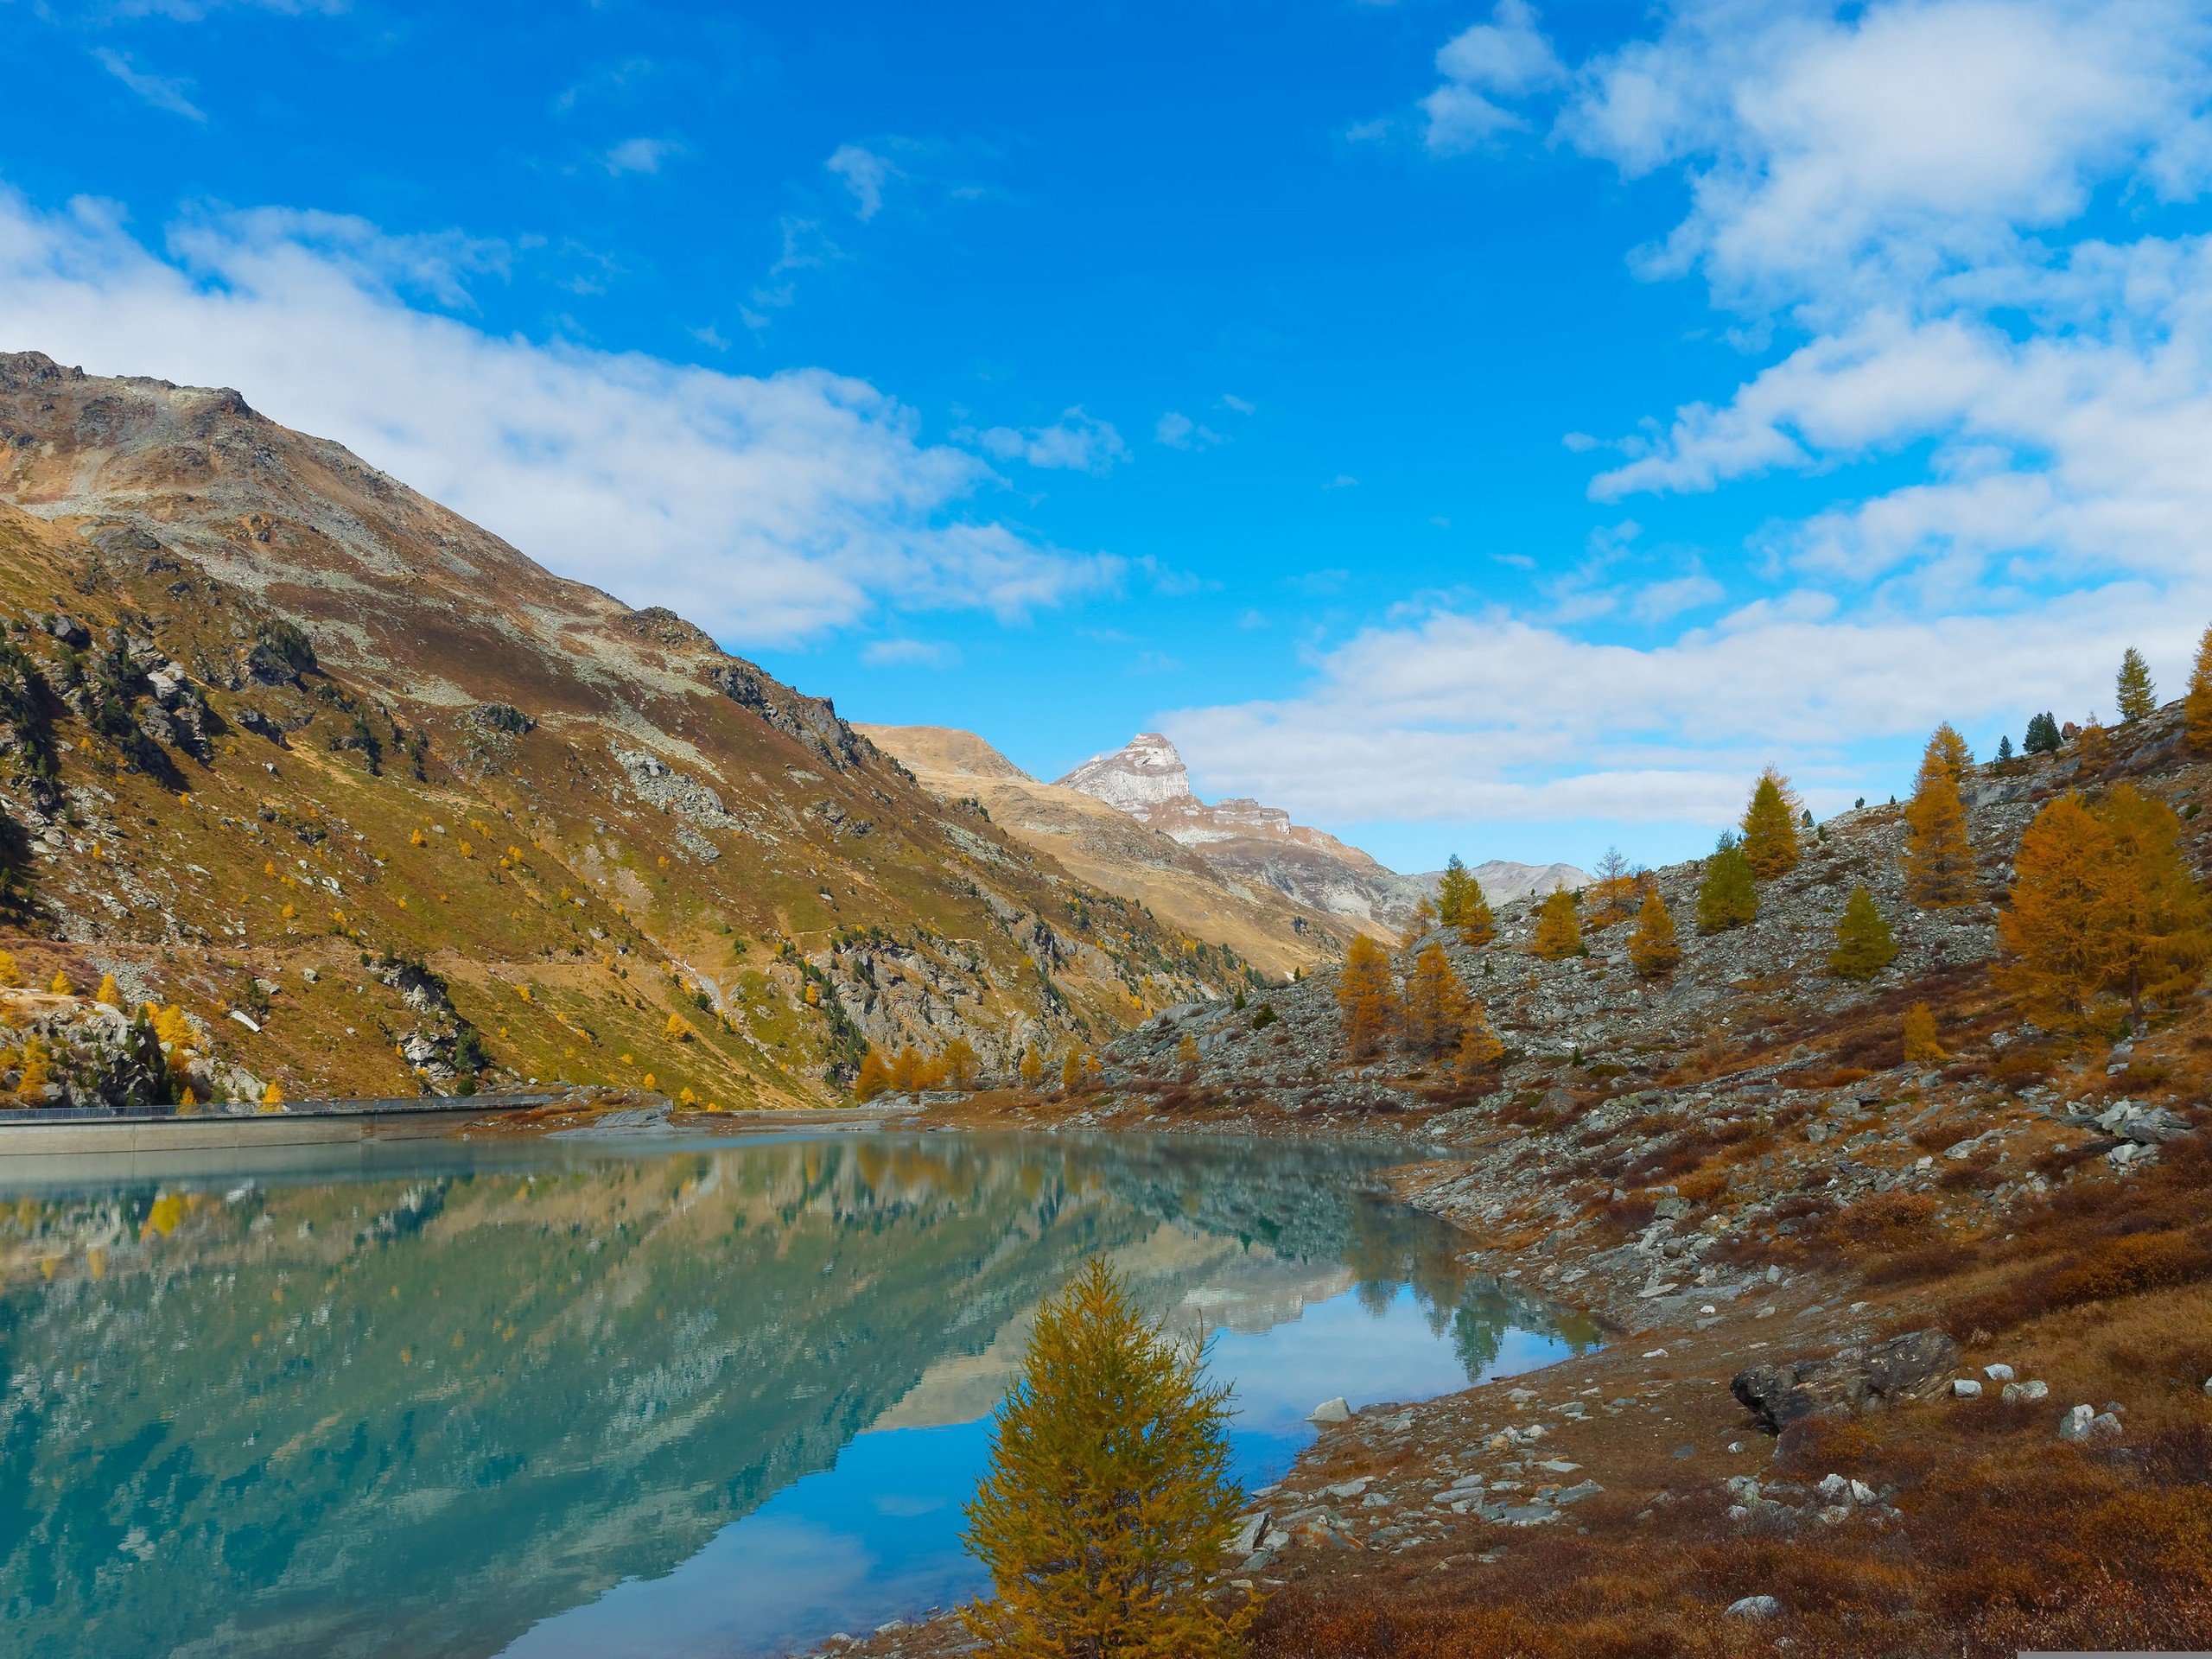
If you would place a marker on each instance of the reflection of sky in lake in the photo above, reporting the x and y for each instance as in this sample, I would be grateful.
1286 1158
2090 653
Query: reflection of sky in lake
875 1536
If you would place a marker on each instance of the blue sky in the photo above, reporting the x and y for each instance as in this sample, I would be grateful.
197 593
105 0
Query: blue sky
1476 427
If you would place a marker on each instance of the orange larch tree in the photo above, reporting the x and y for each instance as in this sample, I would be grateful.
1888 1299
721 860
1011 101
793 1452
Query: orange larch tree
1938 858
2196 706
2104 910
1436 1005
1364 996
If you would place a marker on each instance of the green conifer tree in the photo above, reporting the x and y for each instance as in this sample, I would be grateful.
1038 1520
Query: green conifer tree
1864 944
2044 737
1461 904
2135 693
1728 897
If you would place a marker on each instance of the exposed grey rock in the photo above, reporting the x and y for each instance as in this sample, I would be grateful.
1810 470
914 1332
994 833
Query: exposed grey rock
2075 1425
1855 1378
2036 1389
1330 1411
1755 1607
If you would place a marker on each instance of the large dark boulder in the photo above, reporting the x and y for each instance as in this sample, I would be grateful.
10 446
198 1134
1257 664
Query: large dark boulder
1856 1378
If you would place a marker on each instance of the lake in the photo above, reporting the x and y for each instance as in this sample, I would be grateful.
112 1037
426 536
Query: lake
556 1398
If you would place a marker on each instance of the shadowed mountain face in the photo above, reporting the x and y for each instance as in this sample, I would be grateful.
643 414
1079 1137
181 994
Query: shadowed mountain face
416 1406
1102 842
267 711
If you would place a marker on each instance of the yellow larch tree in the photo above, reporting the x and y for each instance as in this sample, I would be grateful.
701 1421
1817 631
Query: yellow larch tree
1559 927
1921 1047
1461 904
2104 911
1364 996
2196 706
961 1064
1653 949
1947 749
874 1077
1436 1005
1771 827
1479 1047
1107 1510
1938 858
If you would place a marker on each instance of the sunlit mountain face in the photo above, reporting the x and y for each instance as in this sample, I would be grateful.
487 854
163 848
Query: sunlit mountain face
456 1399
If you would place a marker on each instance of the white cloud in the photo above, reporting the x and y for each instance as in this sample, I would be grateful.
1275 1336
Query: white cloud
910 653
1075 442
865 173
157 91
1829 153
1902 193
639 155
1458 716
1507 57
1179 431
764 508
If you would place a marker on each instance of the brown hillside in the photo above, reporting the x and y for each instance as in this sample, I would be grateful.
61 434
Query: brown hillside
1108 847
268 711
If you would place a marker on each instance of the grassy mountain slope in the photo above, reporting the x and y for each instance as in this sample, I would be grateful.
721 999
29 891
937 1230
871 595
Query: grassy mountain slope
268 711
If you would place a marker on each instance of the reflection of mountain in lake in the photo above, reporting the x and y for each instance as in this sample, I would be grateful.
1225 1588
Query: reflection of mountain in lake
380 1415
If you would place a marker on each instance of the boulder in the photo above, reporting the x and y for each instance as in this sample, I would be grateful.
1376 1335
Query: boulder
1755 1607
2035 1388
2075 1425
1330 1411
1856 1378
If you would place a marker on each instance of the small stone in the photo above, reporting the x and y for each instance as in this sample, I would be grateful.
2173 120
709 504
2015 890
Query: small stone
1577 1493
1656 1353
2037 1389
2075 1425
2105 1425
1965 1388
1998 1373
1338 1410
1755 1607
2207 1387
1350 1488
1685 1451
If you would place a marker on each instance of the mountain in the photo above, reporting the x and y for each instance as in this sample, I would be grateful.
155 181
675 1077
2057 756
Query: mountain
282 738
1099 842
1260 845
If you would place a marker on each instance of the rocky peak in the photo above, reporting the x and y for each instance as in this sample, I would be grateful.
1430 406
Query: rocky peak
1143 773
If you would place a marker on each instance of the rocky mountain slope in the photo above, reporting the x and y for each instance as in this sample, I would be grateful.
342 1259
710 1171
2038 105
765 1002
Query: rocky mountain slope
1260 846
1890 1341
380 804
1100 842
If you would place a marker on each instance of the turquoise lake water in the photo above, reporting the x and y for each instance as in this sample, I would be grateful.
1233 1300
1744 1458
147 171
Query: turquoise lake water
552 1399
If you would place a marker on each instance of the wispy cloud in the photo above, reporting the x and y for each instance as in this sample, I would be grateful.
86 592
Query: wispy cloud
864 172
765 508
1179 431
910 653
160 91
1075 442
639 155
1505 58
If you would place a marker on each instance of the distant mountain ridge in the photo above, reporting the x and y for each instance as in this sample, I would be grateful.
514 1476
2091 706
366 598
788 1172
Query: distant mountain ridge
1147 779
1100 842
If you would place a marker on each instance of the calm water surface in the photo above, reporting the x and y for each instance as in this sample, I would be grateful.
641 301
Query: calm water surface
552 1399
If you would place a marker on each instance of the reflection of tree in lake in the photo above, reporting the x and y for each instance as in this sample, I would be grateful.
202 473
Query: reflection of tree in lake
376 1413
